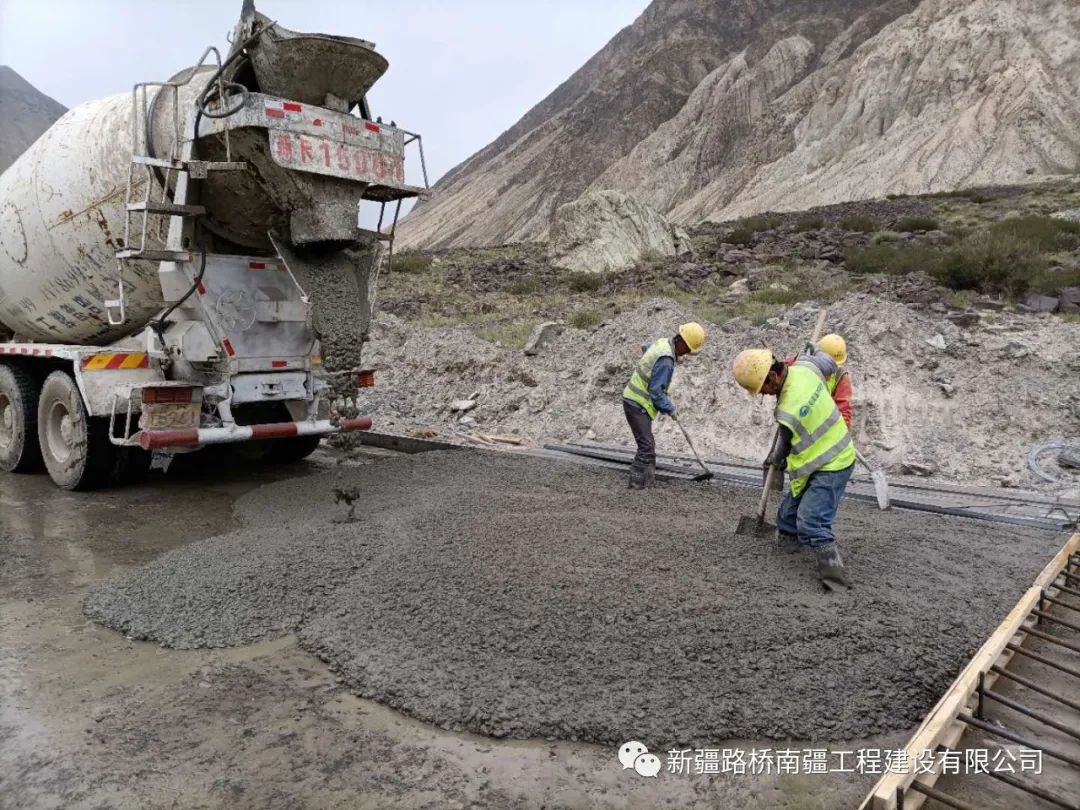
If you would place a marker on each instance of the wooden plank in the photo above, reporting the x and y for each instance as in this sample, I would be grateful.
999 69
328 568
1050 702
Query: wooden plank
941 726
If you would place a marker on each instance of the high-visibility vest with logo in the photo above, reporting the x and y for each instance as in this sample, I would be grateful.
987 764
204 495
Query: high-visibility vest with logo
819 437
637 390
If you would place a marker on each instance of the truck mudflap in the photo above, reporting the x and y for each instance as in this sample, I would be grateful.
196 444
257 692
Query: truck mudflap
190 437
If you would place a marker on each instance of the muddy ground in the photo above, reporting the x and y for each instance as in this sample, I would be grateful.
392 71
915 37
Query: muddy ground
89 718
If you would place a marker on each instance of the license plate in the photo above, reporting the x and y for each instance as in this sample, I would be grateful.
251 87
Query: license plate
310 153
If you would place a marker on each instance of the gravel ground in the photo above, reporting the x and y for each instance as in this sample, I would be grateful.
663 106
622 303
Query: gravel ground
524 598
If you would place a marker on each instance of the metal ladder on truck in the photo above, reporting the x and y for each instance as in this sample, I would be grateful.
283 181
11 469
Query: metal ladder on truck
160 170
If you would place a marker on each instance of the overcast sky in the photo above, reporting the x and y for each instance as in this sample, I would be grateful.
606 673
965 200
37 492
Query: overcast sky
461 71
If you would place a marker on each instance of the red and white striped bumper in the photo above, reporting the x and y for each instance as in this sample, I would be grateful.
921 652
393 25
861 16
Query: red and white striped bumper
158 439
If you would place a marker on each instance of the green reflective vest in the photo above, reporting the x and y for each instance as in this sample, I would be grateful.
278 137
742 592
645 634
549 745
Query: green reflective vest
637 390
834 380
819 437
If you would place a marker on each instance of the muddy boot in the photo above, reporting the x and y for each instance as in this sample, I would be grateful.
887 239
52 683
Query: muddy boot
786 543
650 474
831 567
637 477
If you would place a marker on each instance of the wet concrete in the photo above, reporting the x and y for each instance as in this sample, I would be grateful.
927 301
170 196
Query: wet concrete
520 598
91 719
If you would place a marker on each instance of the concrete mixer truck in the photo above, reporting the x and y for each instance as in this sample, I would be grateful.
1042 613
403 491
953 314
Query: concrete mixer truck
183 265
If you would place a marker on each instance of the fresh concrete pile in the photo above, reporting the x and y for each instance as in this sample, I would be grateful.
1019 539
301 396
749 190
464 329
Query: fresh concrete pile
518 597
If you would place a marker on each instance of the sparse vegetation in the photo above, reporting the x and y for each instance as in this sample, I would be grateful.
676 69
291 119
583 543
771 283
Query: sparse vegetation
511 335
580 281
1044 233
411 262
857 223
771 295
916 223
745 229
810 222
587 318
1010 257
523 286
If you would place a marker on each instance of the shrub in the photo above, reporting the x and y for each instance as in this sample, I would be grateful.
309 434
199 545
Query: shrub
744 230
858 223
812 222
916 223
889 258
581 281
1045 233
411 263
989 262
588 318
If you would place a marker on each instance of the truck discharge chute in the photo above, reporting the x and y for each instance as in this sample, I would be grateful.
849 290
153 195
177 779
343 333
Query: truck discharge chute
181 265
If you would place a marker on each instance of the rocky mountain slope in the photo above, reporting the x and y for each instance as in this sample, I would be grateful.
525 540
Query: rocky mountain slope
715 110
25 113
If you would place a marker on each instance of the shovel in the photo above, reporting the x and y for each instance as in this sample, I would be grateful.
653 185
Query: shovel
881 485
705 476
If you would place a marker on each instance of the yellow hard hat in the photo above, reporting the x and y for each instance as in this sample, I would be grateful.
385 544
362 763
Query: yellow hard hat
751 368
834 346
693 335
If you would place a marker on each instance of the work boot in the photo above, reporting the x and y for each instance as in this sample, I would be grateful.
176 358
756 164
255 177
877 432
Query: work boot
786 543
637 477
831 567
650 474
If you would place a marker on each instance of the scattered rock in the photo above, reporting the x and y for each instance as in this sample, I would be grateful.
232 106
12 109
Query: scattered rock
1040 303
462 405
739 289
916 468
467 420
607 230
1069 299
541 336
939 307
965 320
1071 214
937 341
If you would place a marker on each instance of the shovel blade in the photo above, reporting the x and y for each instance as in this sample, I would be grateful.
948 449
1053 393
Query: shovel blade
881 489
750 525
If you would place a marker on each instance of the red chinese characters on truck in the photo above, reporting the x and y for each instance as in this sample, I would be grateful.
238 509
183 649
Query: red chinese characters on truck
340 159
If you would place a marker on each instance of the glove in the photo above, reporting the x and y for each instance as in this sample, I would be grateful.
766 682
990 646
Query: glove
776 460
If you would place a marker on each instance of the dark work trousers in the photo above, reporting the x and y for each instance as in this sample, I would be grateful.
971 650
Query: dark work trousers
641 427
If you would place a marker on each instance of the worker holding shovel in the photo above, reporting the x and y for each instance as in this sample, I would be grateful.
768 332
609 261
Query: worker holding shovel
646 395
813 444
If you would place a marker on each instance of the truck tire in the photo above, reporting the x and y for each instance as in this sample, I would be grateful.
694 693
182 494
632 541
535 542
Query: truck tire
19 451
74 446
286 451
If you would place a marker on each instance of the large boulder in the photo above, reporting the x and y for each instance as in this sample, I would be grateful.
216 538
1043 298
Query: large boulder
608 230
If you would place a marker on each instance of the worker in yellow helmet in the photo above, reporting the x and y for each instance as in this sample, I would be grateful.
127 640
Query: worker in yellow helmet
646 395
813 444
839 384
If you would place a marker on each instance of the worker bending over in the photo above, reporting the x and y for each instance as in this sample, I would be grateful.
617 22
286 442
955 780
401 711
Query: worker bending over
839 384
646 395
813 444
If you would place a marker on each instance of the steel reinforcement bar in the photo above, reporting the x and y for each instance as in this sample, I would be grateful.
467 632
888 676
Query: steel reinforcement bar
733 474
962 704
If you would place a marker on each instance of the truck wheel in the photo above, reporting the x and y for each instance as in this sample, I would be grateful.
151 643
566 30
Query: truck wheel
75 447
19 451
286 451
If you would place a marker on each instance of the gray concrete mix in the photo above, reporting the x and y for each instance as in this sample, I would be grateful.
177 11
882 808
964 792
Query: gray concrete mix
523 598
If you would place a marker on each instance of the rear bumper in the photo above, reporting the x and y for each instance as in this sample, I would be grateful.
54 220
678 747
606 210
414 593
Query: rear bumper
190 437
